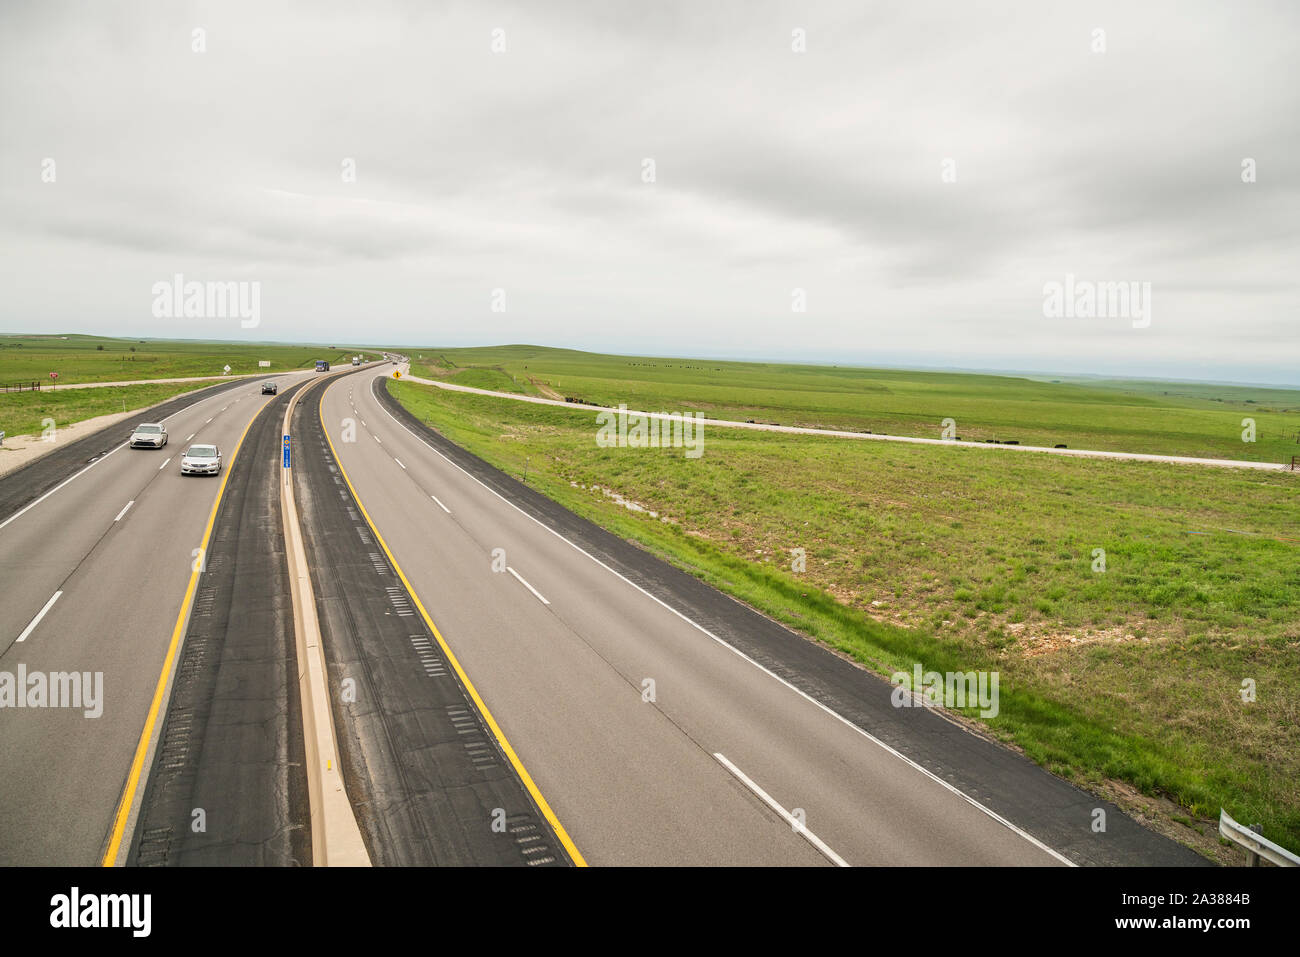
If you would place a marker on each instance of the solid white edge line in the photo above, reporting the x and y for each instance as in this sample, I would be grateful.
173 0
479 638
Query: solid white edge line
521 581
125 509
798 826
803 694
164 465
440 505
192 434
398 461
39 615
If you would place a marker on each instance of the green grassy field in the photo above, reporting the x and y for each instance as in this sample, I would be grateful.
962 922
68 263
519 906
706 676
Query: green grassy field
1155 417
973 559
24 413
79 359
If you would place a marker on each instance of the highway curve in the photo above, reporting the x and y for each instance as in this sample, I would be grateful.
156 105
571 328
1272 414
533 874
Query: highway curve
568 699
97 574
430 782
26 484
228 782
666 723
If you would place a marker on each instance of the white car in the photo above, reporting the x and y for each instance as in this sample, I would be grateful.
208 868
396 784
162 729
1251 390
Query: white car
201 460
149 435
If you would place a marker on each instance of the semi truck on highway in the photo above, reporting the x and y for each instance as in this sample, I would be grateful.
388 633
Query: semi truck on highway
322 365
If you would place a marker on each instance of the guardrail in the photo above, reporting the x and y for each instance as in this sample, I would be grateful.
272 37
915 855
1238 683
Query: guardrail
33 386
1256 844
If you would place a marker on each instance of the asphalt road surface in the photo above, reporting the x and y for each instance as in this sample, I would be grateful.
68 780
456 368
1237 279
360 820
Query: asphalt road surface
641 717
116 545
667 724
428 781
228 783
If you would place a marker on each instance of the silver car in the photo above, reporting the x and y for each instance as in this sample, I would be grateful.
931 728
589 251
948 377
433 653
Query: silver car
149 435
201 460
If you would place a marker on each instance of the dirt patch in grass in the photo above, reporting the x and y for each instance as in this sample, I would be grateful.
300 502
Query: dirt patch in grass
545 389
1034 645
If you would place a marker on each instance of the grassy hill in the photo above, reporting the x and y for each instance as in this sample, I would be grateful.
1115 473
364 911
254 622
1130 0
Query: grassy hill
1163 418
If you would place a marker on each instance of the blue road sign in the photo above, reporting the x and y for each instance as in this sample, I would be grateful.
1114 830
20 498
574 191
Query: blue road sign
286 451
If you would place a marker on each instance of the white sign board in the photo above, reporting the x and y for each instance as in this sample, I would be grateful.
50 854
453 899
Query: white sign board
264 363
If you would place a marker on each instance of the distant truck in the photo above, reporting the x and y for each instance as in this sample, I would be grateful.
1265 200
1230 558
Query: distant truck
322 365
356 360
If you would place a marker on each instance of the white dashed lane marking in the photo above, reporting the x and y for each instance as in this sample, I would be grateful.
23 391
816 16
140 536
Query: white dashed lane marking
39 615
521 581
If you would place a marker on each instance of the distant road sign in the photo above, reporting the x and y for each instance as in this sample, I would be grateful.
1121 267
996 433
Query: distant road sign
286 451
264 363
397 373
227 369
54 375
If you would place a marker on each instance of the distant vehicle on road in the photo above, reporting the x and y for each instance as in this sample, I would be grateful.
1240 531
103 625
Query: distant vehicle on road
322 365
356 360
148 435
201 460
269 388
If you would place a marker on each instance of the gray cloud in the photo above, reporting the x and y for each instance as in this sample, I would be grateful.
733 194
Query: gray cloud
775 170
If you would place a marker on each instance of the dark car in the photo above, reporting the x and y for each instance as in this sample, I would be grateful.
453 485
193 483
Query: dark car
269 388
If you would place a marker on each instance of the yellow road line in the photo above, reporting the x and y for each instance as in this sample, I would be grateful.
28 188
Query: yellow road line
142 748
574 854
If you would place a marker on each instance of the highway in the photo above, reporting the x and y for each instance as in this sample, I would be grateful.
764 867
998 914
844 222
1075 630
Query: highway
96 569
667 724
510 684
428 782
230 742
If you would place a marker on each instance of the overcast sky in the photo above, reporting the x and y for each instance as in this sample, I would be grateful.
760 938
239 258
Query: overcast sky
774 170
